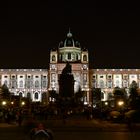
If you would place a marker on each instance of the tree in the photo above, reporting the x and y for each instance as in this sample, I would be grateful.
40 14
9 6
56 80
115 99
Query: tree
53 94
119 93
134 98
96 97
96 93
133 89
5 93
79 94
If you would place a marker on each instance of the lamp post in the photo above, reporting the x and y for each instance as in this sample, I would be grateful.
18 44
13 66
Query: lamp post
4 103
22 103
120 103
121 107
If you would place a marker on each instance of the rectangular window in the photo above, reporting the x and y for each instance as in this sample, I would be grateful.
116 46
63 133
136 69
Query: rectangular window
69 55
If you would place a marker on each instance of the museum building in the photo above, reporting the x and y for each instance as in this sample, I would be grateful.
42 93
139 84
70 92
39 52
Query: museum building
34 83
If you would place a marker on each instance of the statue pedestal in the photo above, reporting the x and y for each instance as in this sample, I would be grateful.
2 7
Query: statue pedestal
66 85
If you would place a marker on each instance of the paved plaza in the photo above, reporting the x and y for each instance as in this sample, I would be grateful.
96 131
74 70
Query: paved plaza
94 124
72 129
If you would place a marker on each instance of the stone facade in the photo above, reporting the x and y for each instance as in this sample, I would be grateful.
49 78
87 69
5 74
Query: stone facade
33 83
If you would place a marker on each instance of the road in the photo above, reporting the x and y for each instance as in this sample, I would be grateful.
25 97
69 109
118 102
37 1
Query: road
17 133
96 135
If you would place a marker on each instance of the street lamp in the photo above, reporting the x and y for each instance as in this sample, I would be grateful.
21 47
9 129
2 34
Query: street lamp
106 103
22 103
120 103
12 103
4 103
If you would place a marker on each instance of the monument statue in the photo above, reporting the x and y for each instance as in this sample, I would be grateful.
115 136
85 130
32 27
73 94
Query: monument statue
67 69
66 82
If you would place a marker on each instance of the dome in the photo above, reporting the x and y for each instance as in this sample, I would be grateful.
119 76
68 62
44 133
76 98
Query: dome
69 41
69 49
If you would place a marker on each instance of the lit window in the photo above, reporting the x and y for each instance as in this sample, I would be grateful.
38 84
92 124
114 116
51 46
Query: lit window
53 58
132 76
69 55
28 84
36 83
101 84
28 95
21 84
36 95
109 84
44 84
117 83
84 58
5 82
13 84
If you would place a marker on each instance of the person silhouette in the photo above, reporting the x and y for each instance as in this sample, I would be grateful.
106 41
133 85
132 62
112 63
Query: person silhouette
41 132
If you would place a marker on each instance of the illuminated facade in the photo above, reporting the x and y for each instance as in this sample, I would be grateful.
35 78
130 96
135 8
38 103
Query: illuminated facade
36 83
108 79
31 83
70 51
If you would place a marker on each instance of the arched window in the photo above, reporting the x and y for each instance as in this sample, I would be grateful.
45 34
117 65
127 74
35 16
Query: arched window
101 84
94 84
109 84
125 84
69 55
20 94
13 84
102 95
117 83
44 95
5 82
36 84
29 95
28 84
44 84
76 56
84 58
53 58
20 84
36 95
60 57
53 77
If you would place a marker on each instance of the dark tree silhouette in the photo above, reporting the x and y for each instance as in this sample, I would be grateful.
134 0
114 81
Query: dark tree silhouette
134 98
5 93
119 94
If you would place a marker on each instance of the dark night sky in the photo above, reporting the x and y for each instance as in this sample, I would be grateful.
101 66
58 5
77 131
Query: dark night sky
110 31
